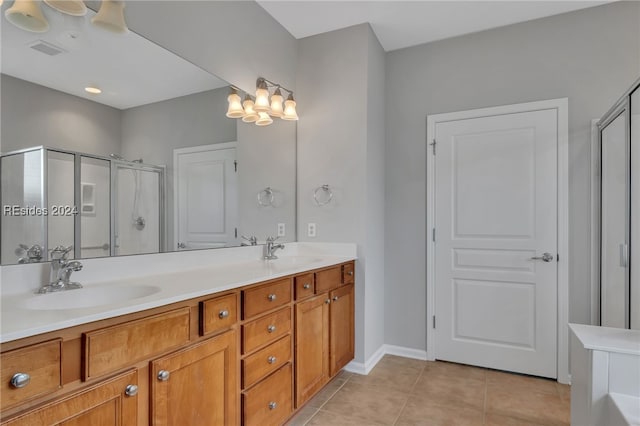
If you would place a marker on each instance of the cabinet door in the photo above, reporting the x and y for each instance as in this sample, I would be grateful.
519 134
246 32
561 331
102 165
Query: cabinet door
312 346
108 403
197 385
342 328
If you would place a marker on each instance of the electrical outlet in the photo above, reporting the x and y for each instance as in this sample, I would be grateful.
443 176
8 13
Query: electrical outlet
281 230
311 229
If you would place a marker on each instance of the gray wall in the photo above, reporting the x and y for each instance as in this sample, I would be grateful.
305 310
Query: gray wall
590 56
153 131
236 40
340 89
63 121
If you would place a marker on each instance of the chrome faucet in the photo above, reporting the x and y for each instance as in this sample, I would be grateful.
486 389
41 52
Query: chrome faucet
270 248
61 269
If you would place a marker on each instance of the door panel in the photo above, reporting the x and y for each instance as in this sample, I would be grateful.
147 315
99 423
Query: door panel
614 271
496 203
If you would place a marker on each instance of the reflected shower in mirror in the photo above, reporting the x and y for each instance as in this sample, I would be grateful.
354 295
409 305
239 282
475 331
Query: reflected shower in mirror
157 108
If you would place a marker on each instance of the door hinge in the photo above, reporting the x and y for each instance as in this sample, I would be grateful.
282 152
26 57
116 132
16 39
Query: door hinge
433 146
236 232
434 321
235 165
433 234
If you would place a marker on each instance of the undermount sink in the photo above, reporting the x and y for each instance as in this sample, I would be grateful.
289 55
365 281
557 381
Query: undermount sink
87 297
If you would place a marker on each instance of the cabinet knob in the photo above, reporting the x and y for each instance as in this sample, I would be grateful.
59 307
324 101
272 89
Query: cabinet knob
163 375
271 328
306 286
349 272
272 405
20 380
223 314
271 297
335 298
271 359
131 390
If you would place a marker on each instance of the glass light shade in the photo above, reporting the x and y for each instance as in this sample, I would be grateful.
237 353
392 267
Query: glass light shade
250 115
70 7
262 100
276 104
235 106
27 15
110 17
264 119
290 109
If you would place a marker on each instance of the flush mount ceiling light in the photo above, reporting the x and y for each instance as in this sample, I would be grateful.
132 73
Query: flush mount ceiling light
262 109
27 15
70 7
111 17
93 90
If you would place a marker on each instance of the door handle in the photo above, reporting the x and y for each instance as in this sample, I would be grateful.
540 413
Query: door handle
624 255
546 257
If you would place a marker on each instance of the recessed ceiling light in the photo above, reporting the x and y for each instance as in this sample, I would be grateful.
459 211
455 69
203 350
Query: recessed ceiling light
93 90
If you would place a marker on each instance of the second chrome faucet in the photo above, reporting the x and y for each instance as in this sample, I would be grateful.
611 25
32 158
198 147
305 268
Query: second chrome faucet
270 247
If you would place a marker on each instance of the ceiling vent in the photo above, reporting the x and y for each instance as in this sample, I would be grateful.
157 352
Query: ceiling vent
46 48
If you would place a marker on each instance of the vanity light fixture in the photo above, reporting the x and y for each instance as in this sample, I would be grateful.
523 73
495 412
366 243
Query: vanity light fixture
27 15
261 109
70 7
93 90
111 17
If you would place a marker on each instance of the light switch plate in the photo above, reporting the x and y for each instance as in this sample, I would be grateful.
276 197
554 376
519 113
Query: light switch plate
311 229
281 230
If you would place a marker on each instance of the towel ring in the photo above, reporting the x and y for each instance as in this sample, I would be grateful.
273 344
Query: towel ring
324 199
266 197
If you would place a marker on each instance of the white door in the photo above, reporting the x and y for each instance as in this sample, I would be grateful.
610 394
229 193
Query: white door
495 211
206 197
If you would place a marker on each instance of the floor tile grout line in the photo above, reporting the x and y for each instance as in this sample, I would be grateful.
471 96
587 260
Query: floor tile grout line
401 410
327 400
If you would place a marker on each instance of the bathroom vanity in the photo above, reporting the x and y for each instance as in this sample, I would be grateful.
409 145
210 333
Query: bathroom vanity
245 343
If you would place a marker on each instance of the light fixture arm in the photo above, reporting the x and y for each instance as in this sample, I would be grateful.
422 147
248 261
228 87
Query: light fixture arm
268 83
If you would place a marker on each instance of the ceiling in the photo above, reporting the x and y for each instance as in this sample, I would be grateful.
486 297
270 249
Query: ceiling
400 24
124 66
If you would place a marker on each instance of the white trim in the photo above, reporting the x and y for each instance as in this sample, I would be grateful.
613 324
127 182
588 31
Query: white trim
190 150
561 106
366 367
594 228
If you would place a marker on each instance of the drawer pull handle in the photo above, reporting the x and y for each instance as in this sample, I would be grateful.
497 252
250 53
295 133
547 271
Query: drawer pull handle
271 328
335 298
271 297
306 286
272 405
163 375
327 301
20 380
349 272
131 390
271 359
223 314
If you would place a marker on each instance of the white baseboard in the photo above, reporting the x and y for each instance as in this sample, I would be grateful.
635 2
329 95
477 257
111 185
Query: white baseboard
368 365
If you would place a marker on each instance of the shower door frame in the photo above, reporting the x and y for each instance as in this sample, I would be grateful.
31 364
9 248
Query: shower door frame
162 185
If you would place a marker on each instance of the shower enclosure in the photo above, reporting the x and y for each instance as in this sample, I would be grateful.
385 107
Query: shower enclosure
101 205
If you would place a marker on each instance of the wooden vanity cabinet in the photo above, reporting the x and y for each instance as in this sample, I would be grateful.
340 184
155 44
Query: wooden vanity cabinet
197 385
324 331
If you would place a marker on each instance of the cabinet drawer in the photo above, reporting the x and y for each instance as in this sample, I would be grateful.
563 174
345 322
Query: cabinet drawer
348 274
42 364
218 314
266 297
269 402
112 348
264 330
266 361
305 286
328 279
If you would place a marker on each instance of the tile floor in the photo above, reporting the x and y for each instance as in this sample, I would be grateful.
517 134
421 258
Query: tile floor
402 391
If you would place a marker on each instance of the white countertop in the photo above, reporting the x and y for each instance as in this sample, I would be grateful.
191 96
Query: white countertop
18 321
608 339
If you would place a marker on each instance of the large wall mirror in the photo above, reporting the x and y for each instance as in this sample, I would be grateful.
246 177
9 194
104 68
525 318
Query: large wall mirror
151 164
